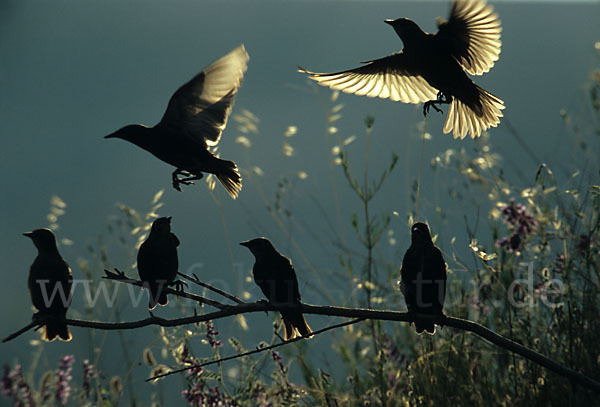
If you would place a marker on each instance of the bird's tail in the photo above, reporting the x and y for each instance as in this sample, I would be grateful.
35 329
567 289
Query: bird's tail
56 327
473 115
230 177
294 325
157 296
425 327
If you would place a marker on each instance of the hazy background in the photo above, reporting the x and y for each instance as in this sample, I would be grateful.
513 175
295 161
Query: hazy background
72 72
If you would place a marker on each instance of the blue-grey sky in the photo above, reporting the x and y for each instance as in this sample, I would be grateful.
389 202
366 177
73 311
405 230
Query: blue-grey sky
72 72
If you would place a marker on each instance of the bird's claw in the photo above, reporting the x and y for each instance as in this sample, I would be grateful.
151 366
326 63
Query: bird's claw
178 284
441 99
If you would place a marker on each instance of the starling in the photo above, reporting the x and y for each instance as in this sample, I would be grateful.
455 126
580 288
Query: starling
49 285
157 261
275 275
431 68
423 277
192 125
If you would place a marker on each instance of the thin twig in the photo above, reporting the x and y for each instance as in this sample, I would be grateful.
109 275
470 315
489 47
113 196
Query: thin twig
122 278
197 281
22 331
257 350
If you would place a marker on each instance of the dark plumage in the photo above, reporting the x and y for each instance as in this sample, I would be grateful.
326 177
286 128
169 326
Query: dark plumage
157 261
192 125
275 275
423 277
431 68
49 285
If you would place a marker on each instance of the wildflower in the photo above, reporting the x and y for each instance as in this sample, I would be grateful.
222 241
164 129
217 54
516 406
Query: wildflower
7 382
211 334
89 371
278 359
63 389
559 264
520 222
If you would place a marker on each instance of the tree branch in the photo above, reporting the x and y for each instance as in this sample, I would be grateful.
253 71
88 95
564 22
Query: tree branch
119 276
262 306
197 281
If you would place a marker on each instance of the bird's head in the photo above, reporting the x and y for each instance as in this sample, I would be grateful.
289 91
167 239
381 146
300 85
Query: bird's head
406 29
161 225
134 133
420 233
43 239
259 246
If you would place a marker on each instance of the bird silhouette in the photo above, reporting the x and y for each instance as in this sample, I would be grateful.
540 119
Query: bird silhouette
193 123
432 68
275 275
423 275
49 284
157 261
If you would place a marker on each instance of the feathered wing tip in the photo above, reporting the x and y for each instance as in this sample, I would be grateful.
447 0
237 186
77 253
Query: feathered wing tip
230 177
463 120
56 328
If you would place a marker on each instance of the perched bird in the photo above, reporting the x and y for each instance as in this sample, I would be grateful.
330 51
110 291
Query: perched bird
157 261
192 125
431 68
275 275
49 285
423 275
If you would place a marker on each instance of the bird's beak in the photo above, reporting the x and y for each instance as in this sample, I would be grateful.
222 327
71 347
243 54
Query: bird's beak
113 135
169 219
246 243
28 234
388 21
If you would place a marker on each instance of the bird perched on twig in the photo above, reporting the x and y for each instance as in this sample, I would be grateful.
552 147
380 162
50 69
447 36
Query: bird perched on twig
157 261
432 68
423 275
193 122
275 275
49 285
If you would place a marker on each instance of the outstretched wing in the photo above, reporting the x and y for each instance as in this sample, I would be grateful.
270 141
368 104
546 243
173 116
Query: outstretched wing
472 34
199 109
391 77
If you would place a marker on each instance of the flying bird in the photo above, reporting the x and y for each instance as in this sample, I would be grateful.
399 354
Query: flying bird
157 261
423 276
275 275
49 284
433 68
188 134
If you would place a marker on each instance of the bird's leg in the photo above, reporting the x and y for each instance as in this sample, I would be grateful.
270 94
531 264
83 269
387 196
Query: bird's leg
441 99
185 181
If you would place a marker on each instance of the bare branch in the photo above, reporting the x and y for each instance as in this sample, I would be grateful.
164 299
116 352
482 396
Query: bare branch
197 281
122 278
21 331
257 350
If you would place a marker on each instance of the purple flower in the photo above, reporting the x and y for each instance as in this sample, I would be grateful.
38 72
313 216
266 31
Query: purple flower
89 371
63 389
519 222
211 335
559 264
7 382
199 395
278 359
